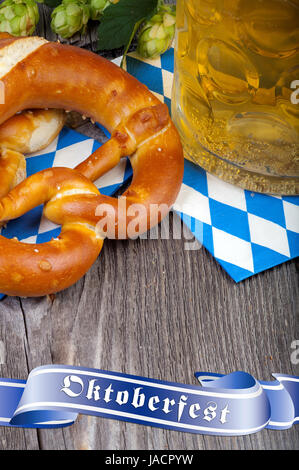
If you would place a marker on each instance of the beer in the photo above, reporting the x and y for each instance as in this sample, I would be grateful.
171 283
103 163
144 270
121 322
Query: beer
236 90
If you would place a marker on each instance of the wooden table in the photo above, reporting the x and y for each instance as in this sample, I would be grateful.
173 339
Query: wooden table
150 308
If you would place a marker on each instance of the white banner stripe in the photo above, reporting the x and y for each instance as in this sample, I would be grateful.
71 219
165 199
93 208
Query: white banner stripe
281 423
137 417
63 421
12 384
287 379
273 387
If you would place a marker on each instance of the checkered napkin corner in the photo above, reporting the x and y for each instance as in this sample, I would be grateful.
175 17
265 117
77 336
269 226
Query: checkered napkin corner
246 232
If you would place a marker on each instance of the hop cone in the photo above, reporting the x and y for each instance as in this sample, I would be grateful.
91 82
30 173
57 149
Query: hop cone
18 17
70 17
157 34
97 7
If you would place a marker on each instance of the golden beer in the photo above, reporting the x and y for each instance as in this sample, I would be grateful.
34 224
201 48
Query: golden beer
236 90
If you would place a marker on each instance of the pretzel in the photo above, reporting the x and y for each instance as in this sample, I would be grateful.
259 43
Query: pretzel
36 270
12 170
66 77
25 133
31 131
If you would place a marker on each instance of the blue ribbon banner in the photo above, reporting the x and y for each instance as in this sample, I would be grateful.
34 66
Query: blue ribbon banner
225 405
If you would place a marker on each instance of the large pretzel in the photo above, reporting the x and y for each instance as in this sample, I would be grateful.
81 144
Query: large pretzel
65 77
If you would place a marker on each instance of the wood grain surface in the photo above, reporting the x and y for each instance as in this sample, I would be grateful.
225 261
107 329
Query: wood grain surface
150 308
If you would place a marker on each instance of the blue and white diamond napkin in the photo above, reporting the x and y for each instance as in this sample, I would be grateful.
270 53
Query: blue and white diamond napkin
246 232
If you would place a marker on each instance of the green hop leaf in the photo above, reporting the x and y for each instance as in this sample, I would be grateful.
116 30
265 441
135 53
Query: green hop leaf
120 21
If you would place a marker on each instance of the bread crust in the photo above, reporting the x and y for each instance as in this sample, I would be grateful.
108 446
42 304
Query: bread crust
31 131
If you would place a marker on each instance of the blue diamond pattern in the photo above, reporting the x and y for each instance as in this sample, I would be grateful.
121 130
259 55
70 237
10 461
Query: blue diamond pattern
269 208
230 220
147 74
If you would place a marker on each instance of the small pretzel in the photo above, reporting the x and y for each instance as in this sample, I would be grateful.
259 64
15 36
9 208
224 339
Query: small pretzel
25 133
66 77
31 131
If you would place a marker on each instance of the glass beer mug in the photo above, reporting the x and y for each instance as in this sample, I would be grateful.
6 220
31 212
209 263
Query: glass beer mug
236 90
